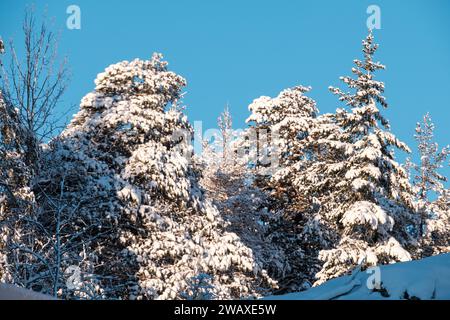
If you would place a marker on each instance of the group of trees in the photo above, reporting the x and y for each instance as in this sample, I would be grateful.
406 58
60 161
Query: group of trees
118 206
335 194
112 207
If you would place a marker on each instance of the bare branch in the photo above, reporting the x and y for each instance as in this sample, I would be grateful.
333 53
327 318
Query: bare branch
35 83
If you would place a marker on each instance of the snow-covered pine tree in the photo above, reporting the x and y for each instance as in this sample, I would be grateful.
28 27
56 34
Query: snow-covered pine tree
289 133
438 225
282 123
372 201
223 172
430 190
225 123
228 181
313 179
427 179
143 228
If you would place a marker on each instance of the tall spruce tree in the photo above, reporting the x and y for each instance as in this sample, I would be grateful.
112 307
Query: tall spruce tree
372 204
426 178
430 190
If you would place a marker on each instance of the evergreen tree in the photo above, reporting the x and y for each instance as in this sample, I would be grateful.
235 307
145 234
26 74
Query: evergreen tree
144 229
372 201
427 179
428 183
228 182
225 124
281 125
437 236
287 128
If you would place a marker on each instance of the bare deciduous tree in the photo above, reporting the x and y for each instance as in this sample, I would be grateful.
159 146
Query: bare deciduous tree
31 86
35 82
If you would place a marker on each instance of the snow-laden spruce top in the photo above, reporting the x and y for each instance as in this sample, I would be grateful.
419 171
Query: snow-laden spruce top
149 77
289 106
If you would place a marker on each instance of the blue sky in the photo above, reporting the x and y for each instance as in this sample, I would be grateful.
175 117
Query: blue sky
235 51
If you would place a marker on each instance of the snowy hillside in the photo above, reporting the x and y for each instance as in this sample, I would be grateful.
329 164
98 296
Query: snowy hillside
420 279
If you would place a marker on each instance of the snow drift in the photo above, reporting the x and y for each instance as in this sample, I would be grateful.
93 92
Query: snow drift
420 279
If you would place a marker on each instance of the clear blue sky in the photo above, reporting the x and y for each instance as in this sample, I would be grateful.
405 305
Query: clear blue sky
235 51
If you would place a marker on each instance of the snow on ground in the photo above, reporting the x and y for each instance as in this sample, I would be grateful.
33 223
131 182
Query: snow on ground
11 292
423 279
